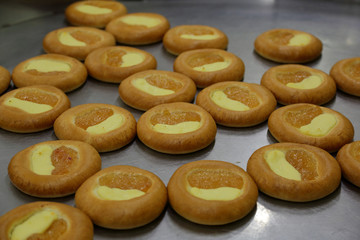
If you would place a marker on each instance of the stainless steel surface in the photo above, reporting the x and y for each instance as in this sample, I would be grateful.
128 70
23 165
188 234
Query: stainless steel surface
336 23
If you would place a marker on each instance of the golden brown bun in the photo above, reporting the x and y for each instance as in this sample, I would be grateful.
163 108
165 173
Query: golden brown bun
183 88
4 79
122 214
74 162
139 33
90 39
273 45
74 124
26 75
277 78
285 122
175 44
18 120
105 64
260 101
75 14
211 174
76 225
187 61
320 173
349 160
169 114
346 74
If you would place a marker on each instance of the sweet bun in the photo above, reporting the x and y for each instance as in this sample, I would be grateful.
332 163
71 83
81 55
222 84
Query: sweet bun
349 160
4 79
32 109
294 83
346 74
122 197
294 172
288 46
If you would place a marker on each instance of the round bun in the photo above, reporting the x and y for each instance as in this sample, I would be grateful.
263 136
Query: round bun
212 192
4 79
106 127
311 124
63 72
176 128
150 88
32 109
288 46
65 222
349 160
294 172
114 64
76 42
209 66
294 83
138 28
346 74
53 168
188 37
122 197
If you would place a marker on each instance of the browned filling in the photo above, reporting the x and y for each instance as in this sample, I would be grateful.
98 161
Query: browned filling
164 82
174 117
87 37
242 95
92 117
353 70
56 229
302 116
102 4
113 57
292 77
197 31
281 37
62 158
126 181
355 151
303 162
207 178
202 59
37 96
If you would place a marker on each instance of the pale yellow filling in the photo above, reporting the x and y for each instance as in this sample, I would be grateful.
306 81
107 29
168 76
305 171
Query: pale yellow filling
131 59
117 194
109 124
300 40
199 37
279 165
211 67
89 9
216 194
27 106
183 127
222 100
143 85
141 20
67 39
48 65
320 125
40 162
307 83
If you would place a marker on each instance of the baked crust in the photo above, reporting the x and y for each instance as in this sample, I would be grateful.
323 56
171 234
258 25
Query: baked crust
138 34
339 135
79 226
276 78
327 169
65 126
123 214
184 89
59 183
175 44
104 64
186 62
93 38
273 45
4 79
64 80
249 92
348 158
177 143
346 75
17 120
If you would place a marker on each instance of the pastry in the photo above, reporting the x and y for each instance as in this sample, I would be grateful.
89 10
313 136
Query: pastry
45 220
76 42
294 83
106 127
237 104
122 197
53 168
32 109
209 66
294 172
188 37
63 72
114 64
311 124
349 160
138 28
176 128
346 74
212 192
288 46
4 79
147 89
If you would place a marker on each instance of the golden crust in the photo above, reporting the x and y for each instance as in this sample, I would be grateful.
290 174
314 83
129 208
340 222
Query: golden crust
66 81
348 158
175 44
79 226
4 79
176 143
122 214
272 45
87 163
16 120
210 212
142 100
253 116
287 95
341 134
104 63
138 34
